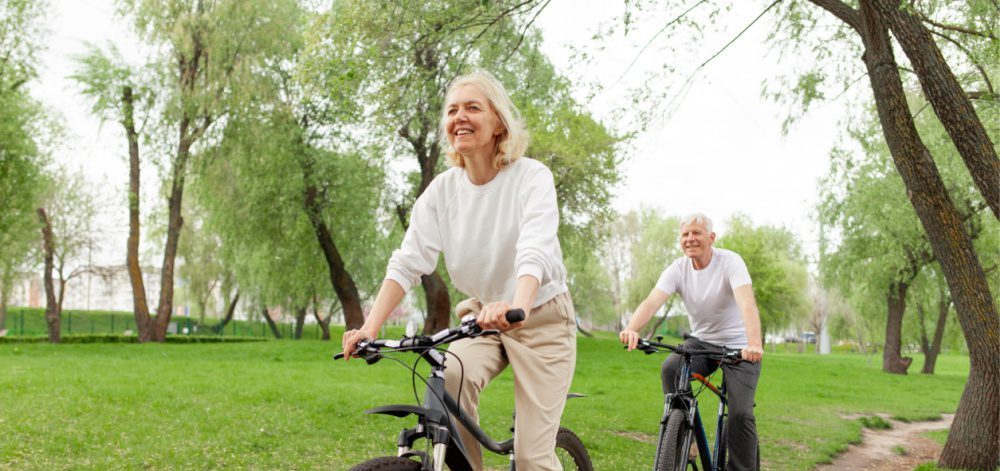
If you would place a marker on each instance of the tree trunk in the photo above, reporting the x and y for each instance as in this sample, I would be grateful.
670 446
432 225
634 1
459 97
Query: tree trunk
270 323
438 303
51 307
300 321
946 96
140 307
892 359
341 281
230 311
974 440
5 288
324 324
652 328
174 223
944 305
435 289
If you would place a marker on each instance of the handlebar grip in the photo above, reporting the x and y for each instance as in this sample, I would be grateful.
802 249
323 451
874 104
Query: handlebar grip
338 356
515 315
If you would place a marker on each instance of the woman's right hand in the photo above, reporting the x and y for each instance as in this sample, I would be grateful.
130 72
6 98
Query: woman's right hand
630 338
351 339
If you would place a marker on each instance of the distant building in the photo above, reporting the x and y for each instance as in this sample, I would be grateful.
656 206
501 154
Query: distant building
101 288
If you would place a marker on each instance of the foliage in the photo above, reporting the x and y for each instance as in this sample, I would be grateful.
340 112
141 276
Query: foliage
777 267
656 246
409 53
22 127
873 232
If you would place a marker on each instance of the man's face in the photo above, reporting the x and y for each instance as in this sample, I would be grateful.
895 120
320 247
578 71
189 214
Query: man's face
696 240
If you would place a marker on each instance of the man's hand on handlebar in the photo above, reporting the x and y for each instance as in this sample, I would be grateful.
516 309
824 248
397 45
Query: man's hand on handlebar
493 317
351 339
752 353
630 338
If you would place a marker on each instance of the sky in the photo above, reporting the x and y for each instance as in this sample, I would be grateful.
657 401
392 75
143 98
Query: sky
720 151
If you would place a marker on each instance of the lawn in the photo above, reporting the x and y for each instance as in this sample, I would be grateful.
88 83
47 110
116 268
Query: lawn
286 405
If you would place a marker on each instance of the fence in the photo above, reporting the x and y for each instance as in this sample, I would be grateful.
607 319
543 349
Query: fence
26 321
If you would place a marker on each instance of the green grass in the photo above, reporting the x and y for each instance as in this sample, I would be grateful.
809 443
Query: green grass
875 423
286 405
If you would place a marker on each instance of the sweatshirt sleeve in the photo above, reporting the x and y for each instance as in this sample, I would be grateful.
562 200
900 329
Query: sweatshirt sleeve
418 254
538 251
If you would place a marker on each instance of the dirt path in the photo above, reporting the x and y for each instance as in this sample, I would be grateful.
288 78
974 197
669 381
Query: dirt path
897 449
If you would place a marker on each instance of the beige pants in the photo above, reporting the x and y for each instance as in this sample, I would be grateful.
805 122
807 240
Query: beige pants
543 355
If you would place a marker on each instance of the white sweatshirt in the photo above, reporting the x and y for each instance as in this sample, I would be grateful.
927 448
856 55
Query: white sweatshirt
490 234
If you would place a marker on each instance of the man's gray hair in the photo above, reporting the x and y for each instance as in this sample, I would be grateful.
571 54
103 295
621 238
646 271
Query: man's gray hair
697 218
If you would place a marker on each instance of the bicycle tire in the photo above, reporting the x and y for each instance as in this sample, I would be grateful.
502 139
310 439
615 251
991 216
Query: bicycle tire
673 456
387 463
568 441
724 444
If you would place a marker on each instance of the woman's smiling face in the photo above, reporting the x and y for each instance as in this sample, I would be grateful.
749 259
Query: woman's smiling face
473 126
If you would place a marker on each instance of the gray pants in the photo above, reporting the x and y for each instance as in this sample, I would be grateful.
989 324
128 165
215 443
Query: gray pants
741 383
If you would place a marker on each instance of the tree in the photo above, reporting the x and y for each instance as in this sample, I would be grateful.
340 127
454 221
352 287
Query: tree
974 441
51 305
22 132
868 24
71 210
778 270
117 92
417 49
880 239
212 51
202 267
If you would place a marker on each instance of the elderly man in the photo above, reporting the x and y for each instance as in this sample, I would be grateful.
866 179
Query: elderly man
715 287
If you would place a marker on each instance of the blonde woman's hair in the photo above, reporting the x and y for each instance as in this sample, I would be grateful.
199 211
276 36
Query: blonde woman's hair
512 142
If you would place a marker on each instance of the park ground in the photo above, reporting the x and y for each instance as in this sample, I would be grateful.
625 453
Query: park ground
287 405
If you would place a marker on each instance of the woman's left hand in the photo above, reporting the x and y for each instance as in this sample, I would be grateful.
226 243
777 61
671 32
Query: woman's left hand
493 317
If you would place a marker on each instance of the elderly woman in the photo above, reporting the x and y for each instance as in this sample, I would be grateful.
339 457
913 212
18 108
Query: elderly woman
494 216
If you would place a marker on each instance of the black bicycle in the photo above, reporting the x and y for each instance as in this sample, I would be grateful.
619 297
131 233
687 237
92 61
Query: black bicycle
681 420
436 418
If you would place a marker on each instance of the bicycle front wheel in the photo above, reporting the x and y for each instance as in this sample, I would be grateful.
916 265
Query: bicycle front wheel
571 452
387 463
675 443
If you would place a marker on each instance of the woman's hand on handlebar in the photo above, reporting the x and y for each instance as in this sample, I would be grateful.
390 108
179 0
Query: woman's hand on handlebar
493 317
351 339
630 338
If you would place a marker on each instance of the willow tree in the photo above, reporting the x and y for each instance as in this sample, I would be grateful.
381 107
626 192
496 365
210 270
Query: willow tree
938 39
21 125
206 56
415 48
974 441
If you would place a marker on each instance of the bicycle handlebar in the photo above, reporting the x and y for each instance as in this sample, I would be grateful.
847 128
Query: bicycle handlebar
370 349
650 347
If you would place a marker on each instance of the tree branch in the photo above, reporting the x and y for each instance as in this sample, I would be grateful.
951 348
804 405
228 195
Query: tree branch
842 11
720 51
658 33
955 28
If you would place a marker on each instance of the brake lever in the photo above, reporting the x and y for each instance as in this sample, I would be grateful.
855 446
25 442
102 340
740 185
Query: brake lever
372 358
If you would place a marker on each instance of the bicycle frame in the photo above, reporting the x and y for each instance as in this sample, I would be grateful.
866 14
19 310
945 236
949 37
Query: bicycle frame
684 399
436 423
